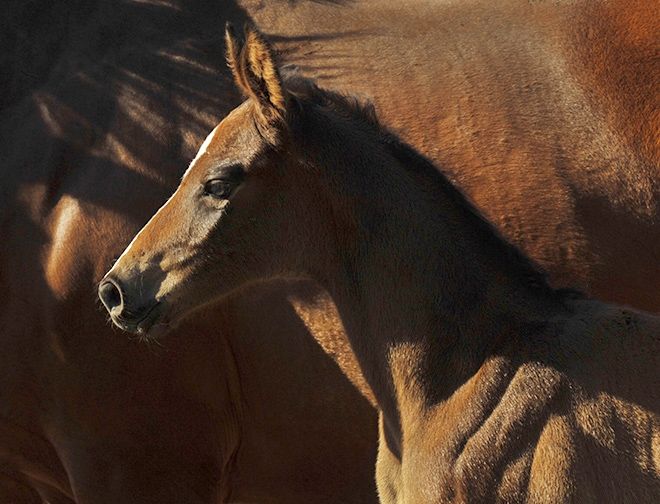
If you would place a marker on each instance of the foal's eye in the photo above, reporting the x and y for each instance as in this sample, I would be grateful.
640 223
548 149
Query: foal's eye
218 188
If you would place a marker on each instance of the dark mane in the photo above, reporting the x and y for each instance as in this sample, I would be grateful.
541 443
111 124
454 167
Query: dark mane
343 105
490 237
364 113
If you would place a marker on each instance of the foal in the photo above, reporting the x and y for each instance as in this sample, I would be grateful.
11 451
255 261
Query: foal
491 385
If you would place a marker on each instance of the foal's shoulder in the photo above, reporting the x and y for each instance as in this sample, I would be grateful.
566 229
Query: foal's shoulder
607 337
606 320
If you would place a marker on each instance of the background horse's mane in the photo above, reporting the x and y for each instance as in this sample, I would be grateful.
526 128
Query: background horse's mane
306 93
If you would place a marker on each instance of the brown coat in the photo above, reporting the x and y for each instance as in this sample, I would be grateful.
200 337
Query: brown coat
98 125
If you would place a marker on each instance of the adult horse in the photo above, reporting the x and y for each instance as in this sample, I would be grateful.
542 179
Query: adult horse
111 105
491 385
544 113
96 125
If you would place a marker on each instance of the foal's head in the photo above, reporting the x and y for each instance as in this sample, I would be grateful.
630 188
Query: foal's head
251 206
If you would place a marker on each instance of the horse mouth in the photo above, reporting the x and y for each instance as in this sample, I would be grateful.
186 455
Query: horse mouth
145 325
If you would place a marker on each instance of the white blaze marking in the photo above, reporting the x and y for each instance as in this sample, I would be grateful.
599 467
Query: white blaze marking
126 251
202 150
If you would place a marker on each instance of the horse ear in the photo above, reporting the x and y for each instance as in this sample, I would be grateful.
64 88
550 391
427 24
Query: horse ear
233 46
255 71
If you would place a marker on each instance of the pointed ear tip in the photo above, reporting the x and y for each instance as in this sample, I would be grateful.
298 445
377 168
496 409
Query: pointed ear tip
252 32
229 29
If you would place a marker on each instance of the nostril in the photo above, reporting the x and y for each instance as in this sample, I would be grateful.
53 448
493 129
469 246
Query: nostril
110 295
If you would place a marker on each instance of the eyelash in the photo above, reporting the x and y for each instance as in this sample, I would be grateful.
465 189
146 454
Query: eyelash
222 189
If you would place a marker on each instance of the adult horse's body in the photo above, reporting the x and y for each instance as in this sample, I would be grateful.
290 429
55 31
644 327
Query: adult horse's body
117 99
491 385
544 113
104 106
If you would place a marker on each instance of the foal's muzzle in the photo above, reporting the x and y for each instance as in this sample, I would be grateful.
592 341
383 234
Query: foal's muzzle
126 309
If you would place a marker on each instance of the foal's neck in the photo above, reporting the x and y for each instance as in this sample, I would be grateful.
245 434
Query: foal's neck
428 292
425 308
